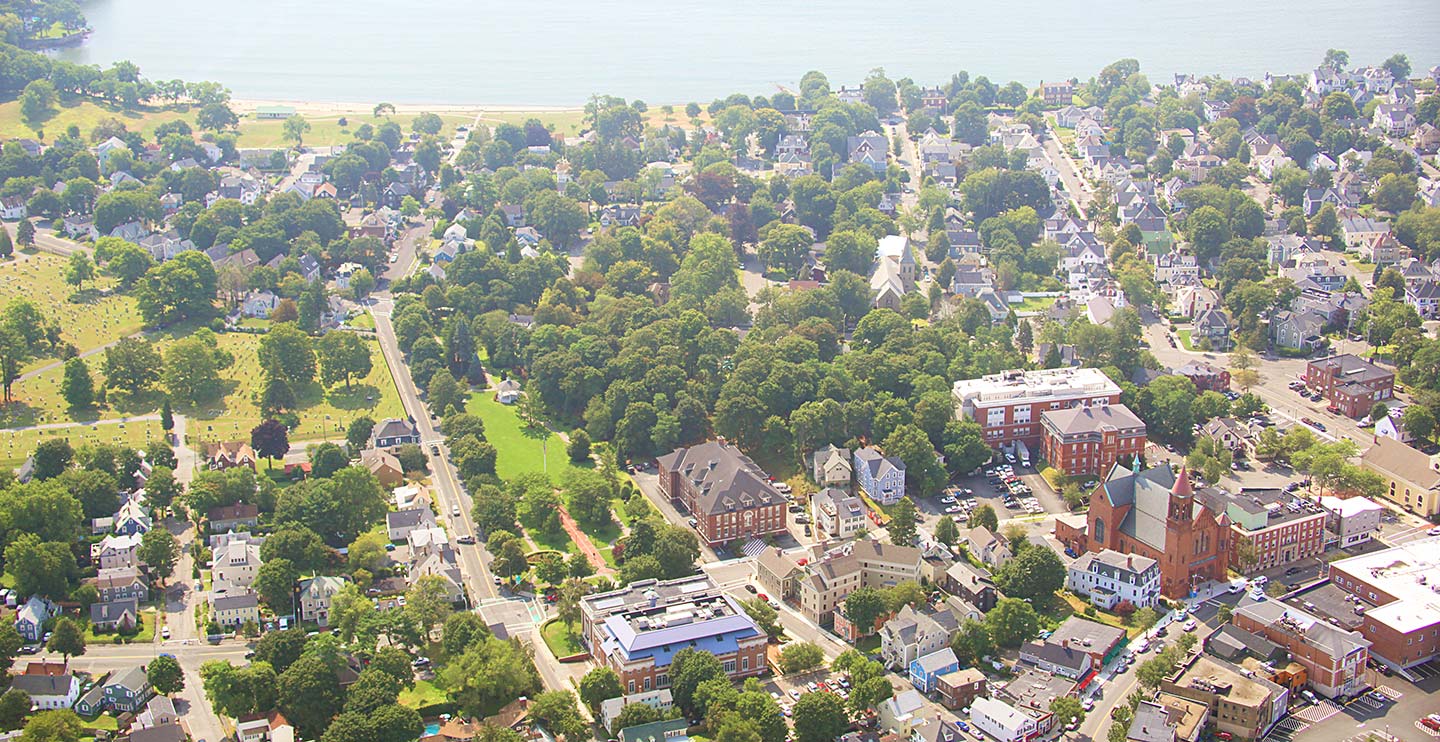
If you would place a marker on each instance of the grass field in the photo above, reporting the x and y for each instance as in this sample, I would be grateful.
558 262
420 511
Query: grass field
88 323
145 635
517 450
86 115
326 130
423 694
1185 339
1034 304
561 640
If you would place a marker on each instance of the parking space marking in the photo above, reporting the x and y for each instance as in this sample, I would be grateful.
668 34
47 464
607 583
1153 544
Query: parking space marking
1391 692
1317 713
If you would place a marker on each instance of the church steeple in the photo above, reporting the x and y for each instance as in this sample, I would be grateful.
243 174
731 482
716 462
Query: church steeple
1181 496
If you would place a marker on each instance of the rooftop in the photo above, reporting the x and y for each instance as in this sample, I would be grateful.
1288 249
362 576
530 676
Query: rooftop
1223 678
1035 689
1053 383
1092 419
1336 642
1352 367
1407 573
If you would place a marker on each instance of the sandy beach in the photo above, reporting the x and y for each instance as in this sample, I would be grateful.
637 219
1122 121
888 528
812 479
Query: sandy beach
243 106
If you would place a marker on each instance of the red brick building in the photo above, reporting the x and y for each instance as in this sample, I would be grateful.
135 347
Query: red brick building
1280 529
728 494
1352 384
1206 378
637 630
1154 513
1089 440
1007 406
1396 588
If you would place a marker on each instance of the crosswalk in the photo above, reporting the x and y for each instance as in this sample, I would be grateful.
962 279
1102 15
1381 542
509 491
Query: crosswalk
1317 713
1286 728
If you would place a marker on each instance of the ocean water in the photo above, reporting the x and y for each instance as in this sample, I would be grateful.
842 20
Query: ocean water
673 51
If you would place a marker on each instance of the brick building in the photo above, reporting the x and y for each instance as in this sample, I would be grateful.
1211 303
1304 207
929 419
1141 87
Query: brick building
1089 440
1007 406
1352 384
818 581
1333 658
637 630
1206 378
1282 528
1397 592
1155 514
730 496
1241 703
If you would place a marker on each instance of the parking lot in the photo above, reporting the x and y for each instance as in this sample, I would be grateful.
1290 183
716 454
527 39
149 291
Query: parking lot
1395 708
1010 490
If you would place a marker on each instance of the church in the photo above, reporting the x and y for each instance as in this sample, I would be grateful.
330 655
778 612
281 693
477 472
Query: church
1154 513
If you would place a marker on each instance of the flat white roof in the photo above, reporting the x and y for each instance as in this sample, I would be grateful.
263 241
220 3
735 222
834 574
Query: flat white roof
1350 506
1034 386
1411 573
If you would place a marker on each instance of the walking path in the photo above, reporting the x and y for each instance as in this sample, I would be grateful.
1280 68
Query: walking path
583 543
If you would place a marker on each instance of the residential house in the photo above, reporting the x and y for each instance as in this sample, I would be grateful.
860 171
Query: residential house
1229 433
926 670
837 513
120 583
1206 377
160 711
507 392
1109 578
1382 250
228 454
610 708
272 726
911 634
132 518
116 551
1213 326
399 523
235 563
115 615
259 304
127 691
900 712
959 689
971 583
869 149
48 692
315 595
231 611
1057 658
12 208
879 477
230 517
1359 230
670 730
986 546
394 432
1300 331
1425 298
831 466
384 465
31 617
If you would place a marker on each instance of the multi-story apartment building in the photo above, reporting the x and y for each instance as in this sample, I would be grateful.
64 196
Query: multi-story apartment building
728 494
1333 658
837 513
1089 440
819 581
1352 384
1269 528
1352 520
1008 405
1109 578
637 630
880 477
1399 595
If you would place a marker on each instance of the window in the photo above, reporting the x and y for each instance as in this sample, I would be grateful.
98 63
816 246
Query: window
729 666
1100 530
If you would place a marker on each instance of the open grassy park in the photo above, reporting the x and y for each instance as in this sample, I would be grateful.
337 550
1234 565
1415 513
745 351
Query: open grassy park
518 451
87 116
327 130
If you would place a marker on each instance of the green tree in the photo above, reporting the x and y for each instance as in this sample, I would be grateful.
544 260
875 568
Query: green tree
275 584
10 644
343 357
598 685
985 517
358 433
79 269
863 606
1033 574
14 706
61 725
25 233
800 656
192 370
294 129
67 639
165 675
688 669
40 567
490 674
819 717
1012 622
946 531
767 618
785 247
159 550
903 518
7 247
1067 711
309 693
972 642
76 386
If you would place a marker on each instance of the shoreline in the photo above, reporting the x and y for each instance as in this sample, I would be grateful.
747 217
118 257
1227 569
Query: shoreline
312 107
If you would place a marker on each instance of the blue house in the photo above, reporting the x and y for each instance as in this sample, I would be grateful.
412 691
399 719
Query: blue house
924 671
881 477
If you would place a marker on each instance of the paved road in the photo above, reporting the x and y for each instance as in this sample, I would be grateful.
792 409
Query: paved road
1075 185
194 709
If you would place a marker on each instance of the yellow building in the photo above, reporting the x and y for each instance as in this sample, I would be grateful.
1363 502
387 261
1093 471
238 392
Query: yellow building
1411 478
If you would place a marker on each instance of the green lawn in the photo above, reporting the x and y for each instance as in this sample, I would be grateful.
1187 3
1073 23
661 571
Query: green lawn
1185 339
423 694
1034 304
568 122
518 450
86 320
86 115
145 635
560 639
326 130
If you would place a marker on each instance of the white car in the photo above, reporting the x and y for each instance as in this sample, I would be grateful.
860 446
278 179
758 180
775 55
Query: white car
165 632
